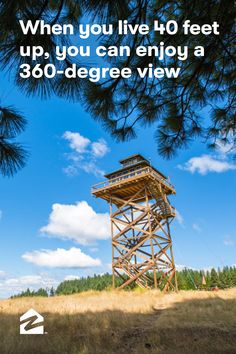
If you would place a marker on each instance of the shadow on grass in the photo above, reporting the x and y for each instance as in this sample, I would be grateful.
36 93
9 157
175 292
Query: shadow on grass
194 326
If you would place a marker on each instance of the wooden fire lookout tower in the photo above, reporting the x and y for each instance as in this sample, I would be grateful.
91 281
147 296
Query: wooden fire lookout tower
140 215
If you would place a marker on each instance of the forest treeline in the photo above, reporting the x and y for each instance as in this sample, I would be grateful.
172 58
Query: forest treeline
39 292
188 279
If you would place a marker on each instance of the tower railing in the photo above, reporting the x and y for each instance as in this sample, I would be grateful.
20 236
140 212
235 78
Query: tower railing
131 174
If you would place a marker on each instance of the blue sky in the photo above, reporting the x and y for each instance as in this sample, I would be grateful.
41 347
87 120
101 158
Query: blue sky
68 153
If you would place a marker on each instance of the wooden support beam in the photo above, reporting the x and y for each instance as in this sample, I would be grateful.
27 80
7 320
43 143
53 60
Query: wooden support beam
140 229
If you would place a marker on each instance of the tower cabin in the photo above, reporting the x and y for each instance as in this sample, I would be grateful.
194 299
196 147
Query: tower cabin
135 172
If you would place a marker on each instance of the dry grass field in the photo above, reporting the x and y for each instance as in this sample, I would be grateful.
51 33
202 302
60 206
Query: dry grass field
125 322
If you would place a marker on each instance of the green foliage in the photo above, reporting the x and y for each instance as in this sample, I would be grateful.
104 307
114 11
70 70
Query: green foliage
51 292
12 154
188 279
30 293
97 282
214 278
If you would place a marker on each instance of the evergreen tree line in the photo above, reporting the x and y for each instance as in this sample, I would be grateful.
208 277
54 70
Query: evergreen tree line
39 292
188 279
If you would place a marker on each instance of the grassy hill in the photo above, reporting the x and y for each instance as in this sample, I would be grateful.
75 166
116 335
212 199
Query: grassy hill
120 322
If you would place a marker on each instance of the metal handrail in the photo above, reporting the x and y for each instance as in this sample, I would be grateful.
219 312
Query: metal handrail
130 174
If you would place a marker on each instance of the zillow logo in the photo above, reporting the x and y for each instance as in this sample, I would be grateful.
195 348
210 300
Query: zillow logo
31 323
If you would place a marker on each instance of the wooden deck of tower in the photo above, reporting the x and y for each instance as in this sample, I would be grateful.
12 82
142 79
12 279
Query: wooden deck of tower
140 215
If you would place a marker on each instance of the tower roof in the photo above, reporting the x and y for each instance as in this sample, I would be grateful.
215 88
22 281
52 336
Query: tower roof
132 157
134 160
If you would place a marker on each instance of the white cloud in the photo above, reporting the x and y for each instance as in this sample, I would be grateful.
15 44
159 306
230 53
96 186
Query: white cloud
228 241
71 171
71 277
179 217
25 280
84 154
109 266
61 258
86 166
180 267
91 167
94 249
100 148
77 142
77 222
12 286
196 227
205 164
2 274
